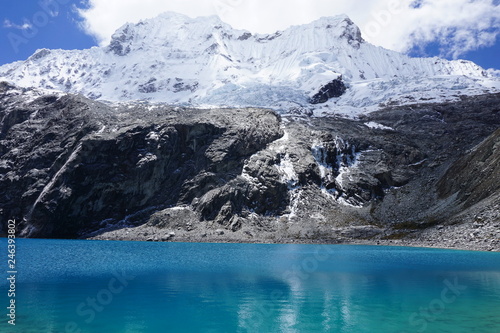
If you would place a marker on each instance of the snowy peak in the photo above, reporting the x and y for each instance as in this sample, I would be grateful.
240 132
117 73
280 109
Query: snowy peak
203 61
176 31
162 31
338 28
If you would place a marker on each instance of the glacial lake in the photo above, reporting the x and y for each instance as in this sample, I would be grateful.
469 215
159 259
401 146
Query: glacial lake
96 286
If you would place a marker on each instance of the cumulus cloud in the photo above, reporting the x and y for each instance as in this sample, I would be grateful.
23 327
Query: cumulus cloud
458 26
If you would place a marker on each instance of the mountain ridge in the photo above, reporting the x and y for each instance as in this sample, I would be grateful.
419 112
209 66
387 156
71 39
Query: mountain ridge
174 59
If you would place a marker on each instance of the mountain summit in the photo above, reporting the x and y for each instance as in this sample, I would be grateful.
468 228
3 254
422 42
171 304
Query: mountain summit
323 67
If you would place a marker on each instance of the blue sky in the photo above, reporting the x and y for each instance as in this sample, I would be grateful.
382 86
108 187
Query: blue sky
51 27
27 25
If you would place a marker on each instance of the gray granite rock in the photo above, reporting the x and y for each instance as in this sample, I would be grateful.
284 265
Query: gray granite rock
75 168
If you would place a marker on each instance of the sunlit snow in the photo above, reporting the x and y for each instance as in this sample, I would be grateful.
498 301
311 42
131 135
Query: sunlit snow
204 62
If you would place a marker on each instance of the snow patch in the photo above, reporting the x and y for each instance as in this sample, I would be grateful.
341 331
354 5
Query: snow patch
375 125
146 159
337 173
288 174
54 179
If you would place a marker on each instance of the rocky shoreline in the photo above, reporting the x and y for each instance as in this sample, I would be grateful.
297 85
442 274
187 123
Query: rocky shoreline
473 236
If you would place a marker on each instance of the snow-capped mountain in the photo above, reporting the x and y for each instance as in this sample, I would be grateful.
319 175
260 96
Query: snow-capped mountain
179 60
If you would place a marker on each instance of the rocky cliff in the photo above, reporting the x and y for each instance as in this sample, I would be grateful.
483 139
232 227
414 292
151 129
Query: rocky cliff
71 167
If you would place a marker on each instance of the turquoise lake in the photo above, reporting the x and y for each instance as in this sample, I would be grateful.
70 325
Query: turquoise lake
104 287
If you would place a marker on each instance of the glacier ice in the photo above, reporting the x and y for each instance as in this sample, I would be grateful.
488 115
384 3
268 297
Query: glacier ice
178 60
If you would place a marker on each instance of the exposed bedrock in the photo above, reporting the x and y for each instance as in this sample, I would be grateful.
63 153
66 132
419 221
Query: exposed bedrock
71 167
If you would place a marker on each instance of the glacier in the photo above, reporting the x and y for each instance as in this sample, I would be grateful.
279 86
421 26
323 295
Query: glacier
204 62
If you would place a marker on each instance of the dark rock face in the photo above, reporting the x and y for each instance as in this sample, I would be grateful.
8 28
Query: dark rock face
335 88
148 87
358 176
37 140
483 160
245 36
120 41
66 167
352 33
71 167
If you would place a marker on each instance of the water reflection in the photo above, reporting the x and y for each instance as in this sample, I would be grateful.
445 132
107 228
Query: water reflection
252 288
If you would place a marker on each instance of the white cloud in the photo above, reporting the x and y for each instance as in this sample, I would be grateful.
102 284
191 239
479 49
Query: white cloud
9 24
457 25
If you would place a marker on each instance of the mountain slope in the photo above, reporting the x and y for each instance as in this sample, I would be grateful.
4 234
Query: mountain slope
72 167
203 61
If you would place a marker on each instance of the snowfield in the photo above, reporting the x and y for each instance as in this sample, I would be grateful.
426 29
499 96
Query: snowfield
204 62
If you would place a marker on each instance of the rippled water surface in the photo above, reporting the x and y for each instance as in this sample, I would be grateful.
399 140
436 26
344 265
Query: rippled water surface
91 286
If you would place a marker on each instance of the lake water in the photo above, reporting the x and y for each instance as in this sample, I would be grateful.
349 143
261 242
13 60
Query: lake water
105 287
